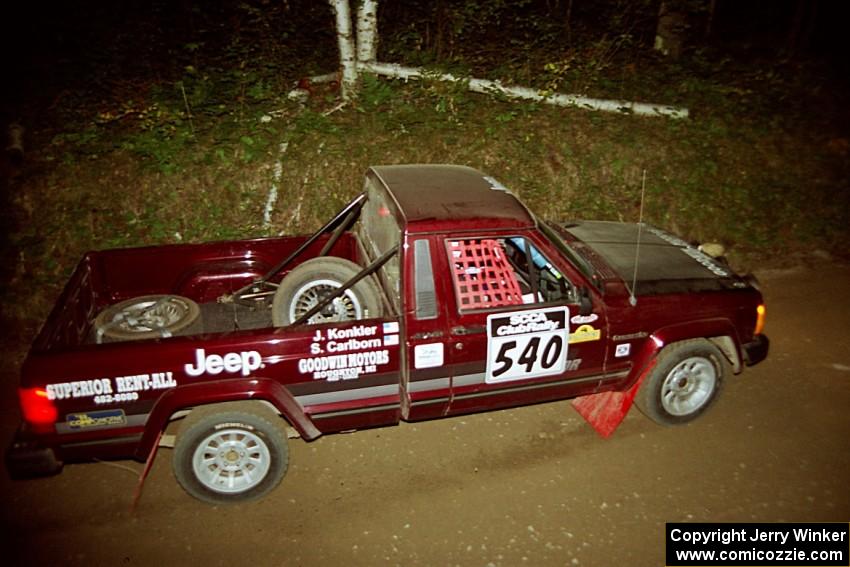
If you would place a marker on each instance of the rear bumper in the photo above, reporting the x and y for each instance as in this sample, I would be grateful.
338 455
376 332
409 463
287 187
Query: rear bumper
756 351
26 459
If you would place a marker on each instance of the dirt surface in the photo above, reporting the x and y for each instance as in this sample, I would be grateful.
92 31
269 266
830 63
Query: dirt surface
530 486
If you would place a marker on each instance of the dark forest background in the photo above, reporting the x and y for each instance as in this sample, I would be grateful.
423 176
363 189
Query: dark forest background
152 122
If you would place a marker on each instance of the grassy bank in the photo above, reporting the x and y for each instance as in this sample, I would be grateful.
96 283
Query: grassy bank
194 160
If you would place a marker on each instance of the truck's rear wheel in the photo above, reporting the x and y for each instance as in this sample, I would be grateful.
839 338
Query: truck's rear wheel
230 453
315 279
146 317
684 382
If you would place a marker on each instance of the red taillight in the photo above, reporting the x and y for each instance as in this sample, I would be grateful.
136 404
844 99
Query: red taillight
36 407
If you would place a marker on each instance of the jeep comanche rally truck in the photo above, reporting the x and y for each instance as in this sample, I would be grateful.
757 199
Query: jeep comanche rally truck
434 293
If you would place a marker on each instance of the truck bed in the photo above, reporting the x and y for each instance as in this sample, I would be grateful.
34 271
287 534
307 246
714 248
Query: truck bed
216 318
201 272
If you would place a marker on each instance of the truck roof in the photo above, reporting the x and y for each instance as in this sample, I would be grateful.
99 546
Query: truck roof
441 198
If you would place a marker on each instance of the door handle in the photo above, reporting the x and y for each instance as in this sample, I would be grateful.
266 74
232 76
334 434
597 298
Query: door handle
473 330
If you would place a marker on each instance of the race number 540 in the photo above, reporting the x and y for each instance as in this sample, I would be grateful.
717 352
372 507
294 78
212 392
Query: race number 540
526 344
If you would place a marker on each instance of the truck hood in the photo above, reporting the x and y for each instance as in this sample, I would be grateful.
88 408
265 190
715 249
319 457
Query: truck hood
666 263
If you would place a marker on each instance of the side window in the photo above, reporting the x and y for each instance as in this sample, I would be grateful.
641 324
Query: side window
482 276
538 276
423 281
500 272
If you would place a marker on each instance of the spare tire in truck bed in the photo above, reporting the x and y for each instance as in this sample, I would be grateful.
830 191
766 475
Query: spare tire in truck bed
313 280
147 317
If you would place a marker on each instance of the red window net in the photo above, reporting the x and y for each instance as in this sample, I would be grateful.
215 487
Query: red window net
482 276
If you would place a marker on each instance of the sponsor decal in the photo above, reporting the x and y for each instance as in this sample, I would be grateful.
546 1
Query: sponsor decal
428 356
242 363
103 418
526 344
528 322
359 337
346 354
390 340
622 350
704 259
352 344
109 390
391 333
343 366
79 389
144 382
584 334
584 319
573 365
391 327
127 388
630 336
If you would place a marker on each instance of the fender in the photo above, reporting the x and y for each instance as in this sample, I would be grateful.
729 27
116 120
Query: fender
606 410
700 329
216 391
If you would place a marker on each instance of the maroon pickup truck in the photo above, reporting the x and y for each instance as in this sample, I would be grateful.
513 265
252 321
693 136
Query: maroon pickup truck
433 293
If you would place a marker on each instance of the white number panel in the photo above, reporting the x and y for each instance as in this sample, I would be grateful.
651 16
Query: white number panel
526 344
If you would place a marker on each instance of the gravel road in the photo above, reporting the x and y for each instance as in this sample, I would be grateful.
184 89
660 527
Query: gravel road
530 486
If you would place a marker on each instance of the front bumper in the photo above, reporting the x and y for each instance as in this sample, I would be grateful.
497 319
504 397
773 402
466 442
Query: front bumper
756 351
26 459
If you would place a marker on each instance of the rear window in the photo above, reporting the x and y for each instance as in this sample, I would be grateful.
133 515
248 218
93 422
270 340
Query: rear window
380 232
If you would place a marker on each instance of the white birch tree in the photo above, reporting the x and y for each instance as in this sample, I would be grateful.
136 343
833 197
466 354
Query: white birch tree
362 55
345 41
367 31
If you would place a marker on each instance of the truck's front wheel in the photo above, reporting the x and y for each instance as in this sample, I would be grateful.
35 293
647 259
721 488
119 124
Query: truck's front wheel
684 382
230 453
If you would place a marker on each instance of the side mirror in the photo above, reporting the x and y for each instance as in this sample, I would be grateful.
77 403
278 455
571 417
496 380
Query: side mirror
585 305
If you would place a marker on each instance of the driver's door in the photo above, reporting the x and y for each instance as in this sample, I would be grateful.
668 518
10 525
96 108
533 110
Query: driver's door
515 333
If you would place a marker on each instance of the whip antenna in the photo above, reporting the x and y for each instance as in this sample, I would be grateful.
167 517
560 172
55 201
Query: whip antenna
632 298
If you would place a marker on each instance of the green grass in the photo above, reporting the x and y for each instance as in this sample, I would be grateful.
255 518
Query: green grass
200 168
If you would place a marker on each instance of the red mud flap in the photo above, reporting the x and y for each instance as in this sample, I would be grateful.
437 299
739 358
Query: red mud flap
144 473
607 410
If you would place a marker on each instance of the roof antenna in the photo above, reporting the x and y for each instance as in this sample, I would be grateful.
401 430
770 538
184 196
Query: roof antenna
632 298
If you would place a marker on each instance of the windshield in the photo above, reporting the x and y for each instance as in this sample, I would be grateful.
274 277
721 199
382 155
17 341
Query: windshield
573 256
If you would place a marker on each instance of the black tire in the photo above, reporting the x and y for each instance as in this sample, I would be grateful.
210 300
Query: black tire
686 379
220 447
304 286
147 317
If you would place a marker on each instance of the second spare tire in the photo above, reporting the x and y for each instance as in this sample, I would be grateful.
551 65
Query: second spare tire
315 279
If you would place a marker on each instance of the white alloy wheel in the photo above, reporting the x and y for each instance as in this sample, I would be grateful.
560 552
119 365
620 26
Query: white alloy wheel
684 382
688 386
231 461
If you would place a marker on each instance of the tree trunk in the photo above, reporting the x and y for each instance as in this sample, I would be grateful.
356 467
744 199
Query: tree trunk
367 30
345 40
485 86
671 30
